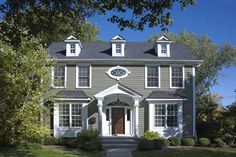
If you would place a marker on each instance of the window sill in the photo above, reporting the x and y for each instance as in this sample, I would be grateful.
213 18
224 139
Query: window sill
152 87
177 87
83 87
59 87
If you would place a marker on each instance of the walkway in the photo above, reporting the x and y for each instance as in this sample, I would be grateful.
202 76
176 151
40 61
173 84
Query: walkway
118 153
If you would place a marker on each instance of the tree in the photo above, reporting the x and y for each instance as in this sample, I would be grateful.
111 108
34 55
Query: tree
215 58
23 81
48 17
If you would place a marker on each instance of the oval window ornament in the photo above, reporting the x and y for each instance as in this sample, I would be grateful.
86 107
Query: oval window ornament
118 72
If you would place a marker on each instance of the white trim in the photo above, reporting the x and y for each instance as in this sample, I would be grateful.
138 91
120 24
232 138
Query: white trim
159 75
116 89
194 101
183 75
90 76
165 99
163 37
108 72
166 131
52 77
73 99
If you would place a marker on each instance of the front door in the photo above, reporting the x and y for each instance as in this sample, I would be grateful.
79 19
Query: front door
118 120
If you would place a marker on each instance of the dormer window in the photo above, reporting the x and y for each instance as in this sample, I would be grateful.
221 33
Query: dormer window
118 46
163 47
73 46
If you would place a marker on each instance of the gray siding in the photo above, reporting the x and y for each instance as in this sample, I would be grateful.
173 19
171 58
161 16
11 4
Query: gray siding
135 81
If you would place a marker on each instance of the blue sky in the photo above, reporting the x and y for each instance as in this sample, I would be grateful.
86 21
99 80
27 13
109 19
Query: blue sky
215 18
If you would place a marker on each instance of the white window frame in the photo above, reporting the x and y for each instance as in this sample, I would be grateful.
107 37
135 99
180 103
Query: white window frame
70 115
77 75
108 72
120 49
159 75
183 73
52 78
73 48
164 51
166 104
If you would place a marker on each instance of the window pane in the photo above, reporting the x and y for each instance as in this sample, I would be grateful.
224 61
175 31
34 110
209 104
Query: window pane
107 114
118 48
163 48
72 48
172 110
84 76
152 76
64 116
159 115
177 77
128 114
59 76
76 116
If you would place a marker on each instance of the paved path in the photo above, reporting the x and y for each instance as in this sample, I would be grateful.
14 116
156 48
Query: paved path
118 153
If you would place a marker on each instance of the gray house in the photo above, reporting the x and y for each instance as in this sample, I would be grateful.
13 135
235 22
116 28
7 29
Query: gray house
123 88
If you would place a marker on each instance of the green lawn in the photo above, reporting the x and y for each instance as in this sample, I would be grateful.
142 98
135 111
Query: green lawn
45 152
193 152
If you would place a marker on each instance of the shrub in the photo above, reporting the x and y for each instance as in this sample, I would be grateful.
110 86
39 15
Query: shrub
49 140
219 142
150 135
85 136
94 145
161 143
187 142
144 144
229 139
174 141
204 142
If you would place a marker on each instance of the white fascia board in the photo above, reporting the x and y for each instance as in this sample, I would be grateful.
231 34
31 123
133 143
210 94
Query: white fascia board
73 99
153 99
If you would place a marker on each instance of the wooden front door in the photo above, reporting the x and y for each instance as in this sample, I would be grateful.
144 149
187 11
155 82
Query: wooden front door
118 121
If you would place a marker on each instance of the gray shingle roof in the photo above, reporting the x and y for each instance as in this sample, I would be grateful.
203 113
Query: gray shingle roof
71 94
133 50
166 95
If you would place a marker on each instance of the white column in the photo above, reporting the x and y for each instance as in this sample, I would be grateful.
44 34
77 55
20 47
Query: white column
55 120
85 116
100 117
136 118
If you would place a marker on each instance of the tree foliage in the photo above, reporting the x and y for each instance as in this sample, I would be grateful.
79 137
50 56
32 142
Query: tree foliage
23 82
53 19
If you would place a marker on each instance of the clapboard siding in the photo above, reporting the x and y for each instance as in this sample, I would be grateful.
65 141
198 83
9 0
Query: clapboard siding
135 81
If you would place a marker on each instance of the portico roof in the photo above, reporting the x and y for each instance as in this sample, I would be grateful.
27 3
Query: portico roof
118 89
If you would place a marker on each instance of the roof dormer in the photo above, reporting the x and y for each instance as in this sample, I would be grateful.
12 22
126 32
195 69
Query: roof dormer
118 46
73 46
163 46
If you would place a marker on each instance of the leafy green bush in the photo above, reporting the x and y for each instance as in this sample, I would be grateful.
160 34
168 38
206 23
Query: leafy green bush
219 142
187 141
49 140
150 135
161 143
229 139
204 142
94 145
87 140
174 141
144 144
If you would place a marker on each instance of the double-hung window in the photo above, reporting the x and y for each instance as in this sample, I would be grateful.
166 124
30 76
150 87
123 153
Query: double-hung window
72 48
163 48
177 78
59 76
166 115
118 48
83 76
70 115
152 76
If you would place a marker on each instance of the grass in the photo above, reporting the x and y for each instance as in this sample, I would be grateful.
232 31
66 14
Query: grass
45 152
190 152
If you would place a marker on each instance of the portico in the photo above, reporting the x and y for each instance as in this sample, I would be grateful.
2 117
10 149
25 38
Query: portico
118 110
